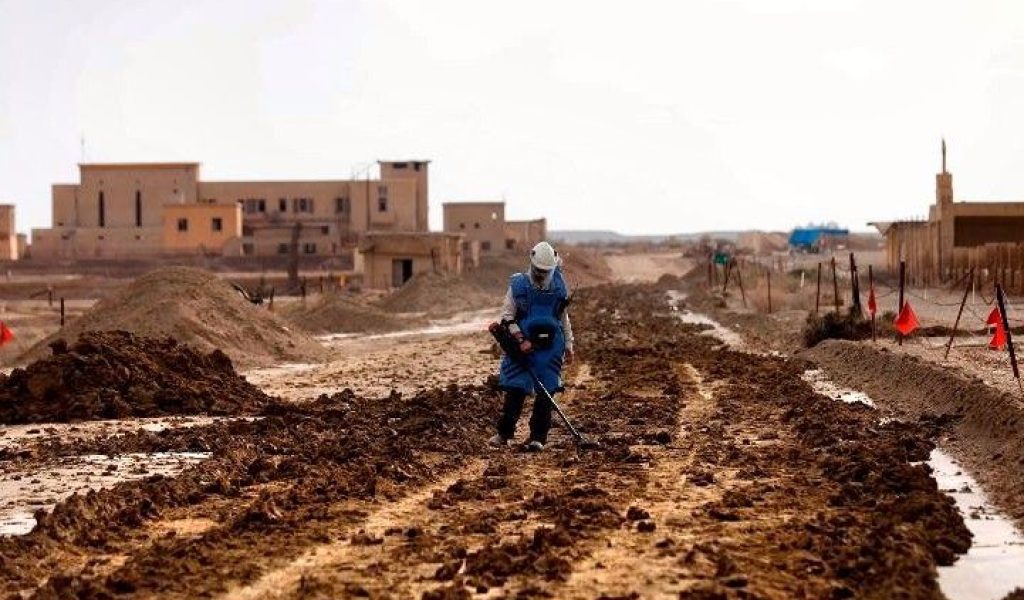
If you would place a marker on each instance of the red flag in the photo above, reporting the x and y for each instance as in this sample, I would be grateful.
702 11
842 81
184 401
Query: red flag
6 334
999 339
994 318
872 305
907 321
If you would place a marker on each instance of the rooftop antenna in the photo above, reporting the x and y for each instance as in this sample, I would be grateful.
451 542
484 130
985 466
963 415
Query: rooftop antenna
944 154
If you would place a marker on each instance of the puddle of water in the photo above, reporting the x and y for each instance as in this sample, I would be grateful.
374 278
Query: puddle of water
826 387
22 493
718 331
992 567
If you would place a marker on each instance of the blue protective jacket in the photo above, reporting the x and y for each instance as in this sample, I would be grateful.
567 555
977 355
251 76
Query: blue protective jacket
539 314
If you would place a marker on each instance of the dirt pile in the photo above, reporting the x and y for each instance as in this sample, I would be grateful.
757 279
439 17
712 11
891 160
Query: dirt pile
340 313
196 308
984 425
485 286
111 375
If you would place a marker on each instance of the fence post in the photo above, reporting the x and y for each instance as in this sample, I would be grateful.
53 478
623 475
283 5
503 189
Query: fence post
739 279
871 289
967 289
817 295
728 271
769 291
903 279
835 284
1009 335
855 286
62 312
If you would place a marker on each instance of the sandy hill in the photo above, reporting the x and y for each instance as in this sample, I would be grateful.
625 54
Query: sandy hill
341 313
196 308
485 286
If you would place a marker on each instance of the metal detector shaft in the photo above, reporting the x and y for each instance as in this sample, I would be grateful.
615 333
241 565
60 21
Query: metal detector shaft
551 399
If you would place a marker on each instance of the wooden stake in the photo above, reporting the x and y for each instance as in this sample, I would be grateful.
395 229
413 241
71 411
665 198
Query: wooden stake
817 295
967 290
728 270
739 279
903 279
62 312
769 291
871 287
855 286
835 284
1009 336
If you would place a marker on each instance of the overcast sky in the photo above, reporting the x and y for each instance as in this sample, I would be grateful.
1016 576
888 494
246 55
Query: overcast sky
641 117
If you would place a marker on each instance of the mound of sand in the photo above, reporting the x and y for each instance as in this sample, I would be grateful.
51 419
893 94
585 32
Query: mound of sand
114 374
485 286
196 308
338 313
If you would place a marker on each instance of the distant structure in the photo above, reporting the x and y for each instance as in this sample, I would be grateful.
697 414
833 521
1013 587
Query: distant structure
388 260
12 245
148 210
818 239
487 232
955 235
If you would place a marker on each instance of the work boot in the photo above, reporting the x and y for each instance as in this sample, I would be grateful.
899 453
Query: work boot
498 441
533 446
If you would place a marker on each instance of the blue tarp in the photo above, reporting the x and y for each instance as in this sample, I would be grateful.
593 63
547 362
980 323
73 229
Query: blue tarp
810 236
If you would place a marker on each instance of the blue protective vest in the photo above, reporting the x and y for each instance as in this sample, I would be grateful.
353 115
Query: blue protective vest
539 315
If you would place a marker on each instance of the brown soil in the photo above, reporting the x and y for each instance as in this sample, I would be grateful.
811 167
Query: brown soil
719 475
108 375
982 424
339 312
196 308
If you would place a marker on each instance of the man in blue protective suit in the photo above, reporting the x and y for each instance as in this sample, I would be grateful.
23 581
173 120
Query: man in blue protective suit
535 312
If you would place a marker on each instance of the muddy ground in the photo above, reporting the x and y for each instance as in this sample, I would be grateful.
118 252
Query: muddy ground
719 474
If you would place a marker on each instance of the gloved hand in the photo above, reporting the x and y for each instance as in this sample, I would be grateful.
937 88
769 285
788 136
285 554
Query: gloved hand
524 344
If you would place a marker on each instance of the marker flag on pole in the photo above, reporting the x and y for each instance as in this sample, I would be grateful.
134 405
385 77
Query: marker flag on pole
994 318
907 321
6 334
872 305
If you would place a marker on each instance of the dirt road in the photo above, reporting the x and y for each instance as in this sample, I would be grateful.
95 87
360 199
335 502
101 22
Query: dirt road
719 475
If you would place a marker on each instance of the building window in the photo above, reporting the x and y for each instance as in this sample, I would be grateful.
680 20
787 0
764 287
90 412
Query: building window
309 248
382 198
302 205
510 244
398 165
342 206
494 216
138 208
325 230
462 225
103 211
476 226
217 224
282 204
282 248
254 205
182 224
247 249
485 246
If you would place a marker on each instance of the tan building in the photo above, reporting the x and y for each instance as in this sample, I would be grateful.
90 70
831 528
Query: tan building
955 233
388 260
10 249
484 223
127 210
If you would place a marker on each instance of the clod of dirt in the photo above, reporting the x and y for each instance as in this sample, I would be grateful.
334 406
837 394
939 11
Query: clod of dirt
635 513
108 375
646 526
835 326
197 308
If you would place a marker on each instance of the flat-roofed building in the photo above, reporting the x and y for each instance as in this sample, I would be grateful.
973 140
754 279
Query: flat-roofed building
483 224
389 259
133 210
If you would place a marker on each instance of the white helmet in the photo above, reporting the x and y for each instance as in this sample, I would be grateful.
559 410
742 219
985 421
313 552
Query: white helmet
544 257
